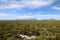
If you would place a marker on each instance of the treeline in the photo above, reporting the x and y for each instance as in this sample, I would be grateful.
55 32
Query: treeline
44 29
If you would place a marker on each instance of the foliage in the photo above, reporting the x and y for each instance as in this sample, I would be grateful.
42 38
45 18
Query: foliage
42 29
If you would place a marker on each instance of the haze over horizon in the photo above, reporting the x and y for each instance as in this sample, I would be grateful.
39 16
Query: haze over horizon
29 9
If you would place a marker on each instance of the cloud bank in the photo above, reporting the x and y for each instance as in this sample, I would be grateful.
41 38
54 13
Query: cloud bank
9 4
39 17
56 8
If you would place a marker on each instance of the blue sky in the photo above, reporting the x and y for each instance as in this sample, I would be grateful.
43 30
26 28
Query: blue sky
29 9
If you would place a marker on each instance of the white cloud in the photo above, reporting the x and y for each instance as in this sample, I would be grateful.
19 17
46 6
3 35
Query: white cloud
37 3
25 3
1 14
5 15
55 8
11 6
24 17
47 15
39 17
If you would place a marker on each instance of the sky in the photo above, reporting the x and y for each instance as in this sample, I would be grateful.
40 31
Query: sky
29 9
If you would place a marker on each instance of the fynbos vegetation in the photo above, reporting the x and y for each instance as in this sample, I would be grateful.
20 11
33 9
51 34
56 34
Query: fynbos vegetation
41 30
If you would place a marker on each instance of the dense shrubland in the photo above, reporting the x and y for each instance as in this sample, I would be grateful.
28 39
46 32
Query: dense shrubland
44 30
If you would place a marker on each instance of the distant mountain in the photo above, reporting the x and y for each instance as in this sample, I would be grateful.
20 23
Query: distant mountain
26 19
